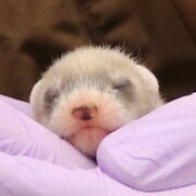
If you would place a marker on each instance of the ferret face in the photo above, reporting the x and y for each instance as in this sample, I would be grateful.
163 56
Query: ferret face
90 92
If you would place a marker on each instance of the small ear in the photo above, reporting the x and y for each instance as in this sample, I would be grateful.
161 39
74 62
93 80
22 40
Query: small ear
151 86
36 96
148 78
34 91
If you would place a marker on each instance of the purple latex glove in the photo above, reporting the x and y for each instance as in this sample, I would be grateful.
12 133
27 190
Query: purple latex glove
35 162
21 135
155 152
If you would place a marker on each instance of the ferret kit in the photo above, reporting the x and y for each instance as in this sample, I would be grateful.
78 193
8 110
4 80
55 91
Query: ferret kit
91 92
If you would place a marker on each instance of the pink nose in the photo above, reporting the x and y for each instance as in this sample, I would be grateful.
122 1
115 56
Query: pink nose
85 112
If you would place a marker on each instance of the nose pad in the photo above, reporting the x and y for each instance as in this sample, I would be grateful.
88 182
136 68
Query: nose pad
85 112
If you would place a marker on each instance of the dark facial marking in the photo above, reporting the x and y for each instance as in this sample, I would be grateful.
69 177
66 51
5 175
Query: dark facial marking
49 98
123 89
122 84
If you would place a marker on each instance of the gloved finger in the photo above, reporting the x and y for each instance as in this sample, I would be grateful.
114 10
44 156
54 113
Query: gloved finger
156 152
25 176
20 135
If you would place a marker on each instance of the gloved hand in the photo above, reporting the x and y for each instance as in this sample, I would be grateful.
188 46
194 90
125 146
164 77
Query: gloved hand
155 152
36 162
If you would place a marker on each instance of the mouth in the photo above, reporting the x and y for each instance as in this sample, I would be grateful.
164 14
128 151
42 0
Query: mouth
91 128
87 138
90 133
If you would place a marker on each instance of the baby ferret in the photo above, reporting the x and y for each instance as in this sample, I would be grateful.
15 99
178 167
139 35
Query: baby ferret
92 91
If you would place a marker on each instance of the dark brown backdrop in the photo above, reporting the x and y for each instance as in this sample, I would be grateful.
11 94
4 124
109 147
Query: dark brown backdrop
32 34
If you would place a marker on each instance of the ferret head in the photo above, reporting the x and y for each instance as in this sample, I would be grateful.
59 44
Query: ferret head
90 92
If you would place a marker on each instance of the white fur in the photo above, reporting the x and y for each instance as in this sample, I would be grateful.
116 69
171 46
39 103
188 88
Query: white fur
112 114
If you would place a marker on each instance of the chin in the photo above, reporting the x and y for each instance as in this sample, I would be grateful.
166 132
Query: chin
87 139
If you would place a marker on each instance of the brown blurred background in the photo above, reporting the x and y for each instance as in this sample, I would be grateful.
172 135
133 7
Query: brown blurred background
159 33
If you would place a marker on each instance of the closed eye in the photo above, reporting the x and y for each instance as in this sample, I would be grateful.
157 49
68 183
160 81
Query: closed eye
50 96
121 84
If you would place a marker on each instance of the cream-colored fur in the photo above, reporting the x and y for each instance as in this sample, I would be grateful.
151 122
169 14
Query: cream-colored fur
113 108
